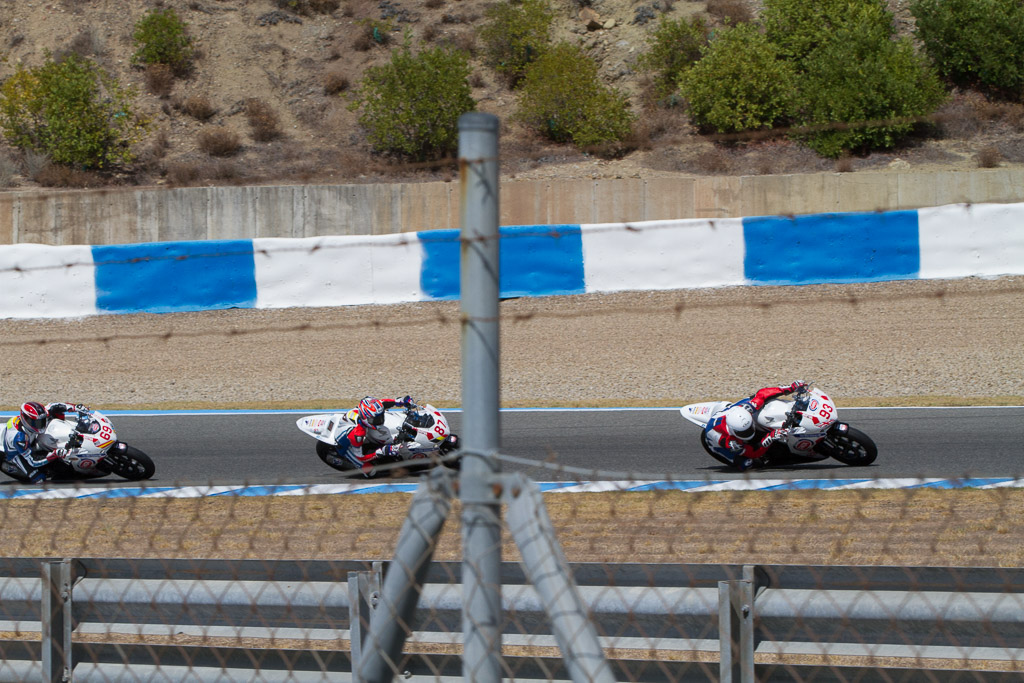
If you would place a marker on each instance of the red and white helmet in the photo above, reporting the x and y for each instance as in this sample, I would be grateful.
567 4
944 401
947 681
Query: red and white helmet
33 417
371 411
739 423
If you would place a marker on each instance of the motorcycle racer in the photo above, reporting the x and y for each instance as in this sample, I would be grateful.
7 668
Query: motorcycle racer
731 433
368 442
26 447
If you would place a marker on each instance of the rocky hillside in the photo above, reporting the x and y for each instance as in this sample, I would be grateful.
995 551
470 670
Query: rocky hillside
300 58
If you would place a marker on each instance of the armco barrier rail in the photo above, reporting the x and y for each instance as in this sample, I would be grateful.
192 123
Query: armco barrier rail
205 620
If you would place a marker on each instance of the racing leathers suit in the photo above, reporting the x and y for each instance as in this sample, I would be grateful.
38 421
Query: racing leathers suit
27 455
741 453
365 445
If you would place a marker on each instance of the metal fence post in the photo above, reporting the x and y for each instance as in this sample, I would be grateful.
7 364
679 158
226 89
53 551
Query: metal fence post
358 616
58 579
736 631
480 291
381 648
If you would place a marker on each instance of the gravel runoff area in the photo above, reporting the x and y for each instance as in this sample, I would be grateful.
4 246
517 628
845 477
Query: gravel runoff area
908 342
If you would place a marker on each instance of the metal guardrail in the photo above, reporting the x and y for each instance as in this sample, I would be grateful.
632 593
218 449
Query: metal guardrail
287 620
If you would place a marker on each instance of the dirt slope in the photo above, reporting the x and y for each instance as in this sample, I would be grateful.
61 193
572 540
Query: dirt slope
298 64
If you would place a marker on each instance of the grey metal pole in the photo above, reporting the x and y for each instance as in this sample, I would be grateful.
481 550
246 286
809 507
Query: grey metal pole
481 512
381 649
736 631
549 572
57 620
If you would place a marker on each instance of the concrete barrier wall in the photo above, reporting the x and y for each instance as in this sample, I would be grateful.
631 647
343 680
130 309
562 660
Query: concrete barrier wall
538 260
126 216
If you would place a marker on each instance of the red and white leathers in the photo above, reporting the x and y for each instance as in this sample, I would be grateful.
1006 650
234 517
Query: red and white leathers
31 450
723 441
364 444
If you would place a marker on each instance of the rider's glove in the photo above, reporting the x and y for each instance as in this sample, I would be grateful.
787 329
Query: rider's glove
56 410
56 454
797 386
81 408
773 436
390 453
405 401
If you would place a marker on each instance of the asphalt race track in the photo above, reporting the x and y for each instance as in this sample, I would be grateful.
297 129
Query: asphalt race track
267 448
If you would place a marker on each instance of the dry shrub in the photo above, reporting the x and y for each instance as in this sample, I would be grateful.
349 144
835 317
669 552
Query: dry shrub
263 120
433 4
8 171
476 80
465 41
988 157
198 107
714 161
219 170
335 81
844 164
182 173
86 43
431 33
34 163
58 175
219 141
733 11
159 79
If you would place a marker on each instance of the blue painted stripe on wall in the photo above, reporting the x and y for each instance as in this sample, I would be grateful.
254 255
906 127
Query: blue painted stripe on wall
166 277
535 261
833 247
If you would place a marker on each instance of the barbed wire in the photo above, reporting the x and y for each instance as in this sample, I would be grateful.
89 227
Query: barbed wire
440 318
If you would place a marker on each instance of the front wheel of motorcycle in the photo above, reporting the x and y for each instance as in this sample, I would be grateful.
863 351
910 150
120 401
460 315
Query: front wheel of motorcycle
854 448
127 462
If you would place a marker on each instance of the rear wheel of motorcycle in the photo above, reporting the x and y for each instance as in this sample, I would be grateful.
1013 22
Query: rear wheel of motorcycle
329 454
854 448
129 463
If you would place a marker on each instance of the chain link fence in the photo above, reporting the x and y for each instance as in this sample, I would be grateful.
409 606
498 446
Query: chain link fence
678 584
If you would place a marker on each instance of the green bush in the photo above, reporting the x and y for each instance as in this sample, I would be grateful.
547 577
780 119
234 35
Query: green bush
739 84
72 111
675 46
975 42
798 27
162 38
563 98
411 106
515 34
865 94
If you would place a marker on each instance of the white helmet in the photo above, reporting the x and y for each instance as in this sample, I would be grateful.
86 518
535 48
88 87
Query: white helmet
739 423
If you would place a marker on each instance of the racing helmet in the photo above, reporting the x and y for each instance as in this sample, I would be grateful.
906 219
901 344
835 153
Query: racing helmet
33 417
739 422
371 411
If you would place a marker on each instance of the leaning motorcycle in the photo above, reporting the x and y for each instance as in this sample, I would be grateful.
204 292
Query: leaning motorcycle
814 431
92 450
423 430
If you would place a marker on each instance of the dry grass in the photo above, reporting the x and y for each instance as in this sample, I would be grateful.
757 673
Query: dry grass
198 107
159 79
263 120
219 141
913 527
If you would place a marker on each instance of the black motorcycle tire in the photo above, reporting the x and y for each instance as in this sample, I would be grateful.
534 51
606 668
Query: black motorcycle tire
130 463
854 448
328 453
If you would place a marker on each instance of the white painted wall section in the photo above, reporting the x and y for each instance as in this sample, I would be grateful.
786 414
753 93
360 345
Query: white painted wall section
962 240
337 271
680 254
40 281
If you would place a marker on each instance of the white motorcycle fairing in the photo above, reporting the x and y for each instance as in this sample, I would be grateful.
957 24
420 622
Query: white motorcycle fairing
423 430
